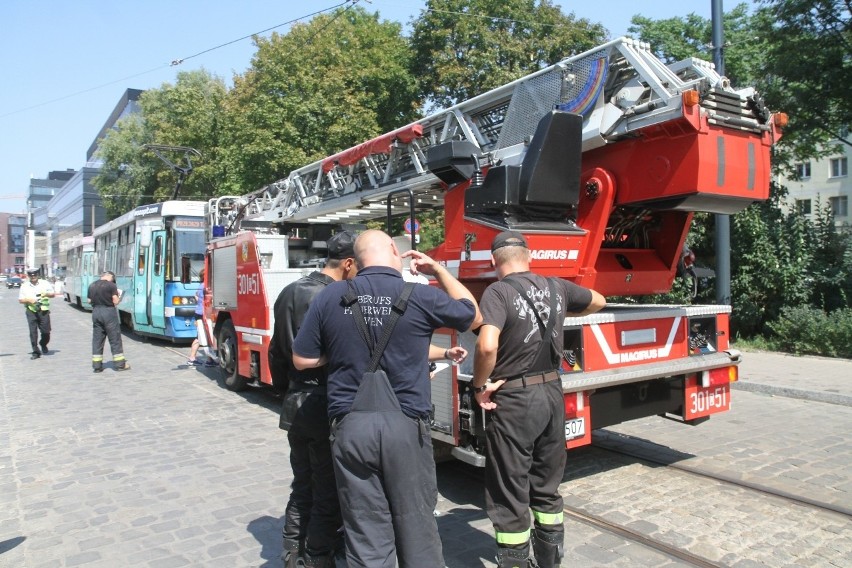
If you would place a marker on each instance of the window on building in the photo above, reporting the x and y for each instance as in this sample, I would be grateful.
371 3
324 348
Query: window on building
839 206
803 206
803 170
839 167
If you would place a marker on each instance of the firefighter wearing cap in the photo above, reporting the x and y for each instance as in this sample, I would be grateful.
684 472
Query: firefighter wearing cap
312 522
35 294
516 378
104 296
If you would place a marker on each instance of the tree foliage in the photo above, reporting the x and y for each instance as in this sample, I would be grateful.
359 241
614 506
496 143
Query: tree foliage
796 53
675 39
189 114
807 70
323 87
466 47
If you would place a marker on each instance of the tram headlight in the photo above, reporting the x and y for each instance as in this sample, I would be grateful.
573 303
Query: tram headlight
182 301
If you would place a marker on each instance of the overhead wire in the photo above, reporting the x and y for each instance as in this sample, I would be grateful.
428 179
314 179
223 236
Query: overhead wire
176 62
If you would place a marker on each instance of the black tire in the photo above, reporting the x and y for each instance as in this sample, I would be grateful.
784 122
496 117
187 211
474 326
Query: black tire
228 356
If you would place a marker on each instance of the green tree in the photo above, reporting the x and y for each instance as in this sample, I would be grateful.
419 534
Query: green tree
323 87
188 113
675 39
807 71
128 173
466 47
770 263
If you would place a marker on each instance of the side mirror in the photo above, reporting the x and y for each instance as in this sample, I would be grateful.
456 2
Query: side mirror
145 237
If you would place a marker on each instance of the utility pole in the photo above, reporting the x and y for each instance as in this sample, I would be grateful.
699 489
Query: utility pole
723 222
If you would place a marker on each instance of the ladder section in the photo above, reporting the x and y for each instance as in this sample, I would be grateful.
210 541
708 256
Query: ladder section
618 88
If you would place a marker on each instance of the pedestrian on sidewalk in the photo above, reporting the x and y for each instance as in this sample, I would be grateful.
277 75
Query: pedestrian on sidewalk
104 296
35 294
200 340
516 377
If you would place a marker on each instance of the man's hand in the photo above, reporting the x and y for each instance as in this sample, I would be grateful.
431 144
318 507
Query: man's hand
484 397
420 263
456 354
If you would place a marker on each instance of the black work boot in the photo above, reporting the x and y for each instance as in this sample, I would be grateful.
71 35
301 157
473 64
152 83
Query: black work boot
514 558
319 561
121 365
548 548
290 555
35 355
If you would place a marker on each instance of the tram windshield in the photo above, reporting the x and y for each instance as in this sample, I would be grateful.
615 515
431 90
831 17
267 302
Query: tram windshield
189 244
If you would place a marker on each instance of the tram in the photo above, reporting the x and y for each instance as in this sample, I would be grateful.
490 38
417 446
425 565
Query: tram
156 252
80 269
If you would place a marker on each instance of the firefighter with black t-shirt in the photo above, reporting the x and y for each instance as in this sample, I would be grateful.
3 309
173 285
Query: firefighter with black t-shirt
104 296
516 377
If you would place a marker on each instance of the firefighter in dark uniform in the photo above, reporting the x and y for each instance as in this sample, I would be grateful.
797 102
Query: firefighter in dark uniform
35 294
104 296
312 523
381 445
525 437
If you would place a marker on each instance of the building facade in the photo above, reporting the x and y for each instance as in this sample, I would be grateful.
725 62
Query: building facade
822 183
13 234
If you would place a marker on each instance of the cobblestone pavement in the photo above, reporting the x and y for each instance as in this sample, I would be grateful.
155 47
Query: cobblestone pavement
161 466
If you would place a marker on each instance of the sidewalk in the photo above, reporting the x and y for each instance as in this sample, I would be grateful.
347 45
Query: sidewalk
819 379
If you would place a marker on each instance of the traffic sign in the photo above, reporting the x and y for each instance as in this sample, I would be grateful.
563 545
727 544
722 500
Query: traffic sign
407 226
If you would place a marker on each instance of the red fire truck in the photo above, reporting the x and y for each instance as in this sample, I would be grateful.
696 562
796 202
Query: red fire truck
600 160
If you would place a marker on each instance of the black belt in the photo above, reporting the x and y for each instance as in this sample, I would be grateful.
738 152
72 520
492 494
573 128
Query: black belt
335 420
530 379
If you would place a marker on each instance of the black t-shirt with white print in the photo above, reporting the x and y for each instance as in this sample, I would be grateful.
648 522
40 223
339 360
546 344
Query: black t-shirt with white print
520 335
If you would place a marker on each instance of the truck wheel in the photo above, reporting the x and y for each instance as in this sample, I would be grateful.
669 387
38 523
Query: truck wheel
228 356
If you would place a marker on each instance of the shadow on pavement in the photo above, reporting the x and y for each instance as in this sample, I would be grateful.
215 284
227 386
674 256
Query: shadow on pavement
267 531
9 544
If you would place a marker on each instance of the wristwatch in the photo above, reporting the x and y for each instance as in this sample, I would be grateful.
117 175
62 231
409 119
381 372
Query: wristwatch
478 390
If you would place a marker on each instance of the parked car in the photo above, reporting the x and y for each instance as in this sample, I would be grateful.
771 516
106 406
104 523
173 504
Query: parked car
13 282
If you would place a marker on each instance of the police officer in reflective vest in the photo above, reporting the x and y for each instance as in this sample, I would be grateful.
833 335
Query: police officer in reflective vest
516 377
35 294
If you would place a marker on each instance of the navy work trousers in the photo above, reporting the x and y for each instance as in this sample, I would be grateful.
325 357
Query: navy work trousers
386 482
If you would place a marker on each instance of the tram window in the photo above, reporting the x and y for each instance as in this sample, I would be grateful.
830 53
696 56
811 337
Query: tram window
158 256
140 265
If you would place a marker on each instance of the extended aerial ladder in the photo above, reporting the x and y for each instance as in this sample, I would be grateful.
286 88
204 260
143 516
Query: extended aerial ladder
601 160
686 141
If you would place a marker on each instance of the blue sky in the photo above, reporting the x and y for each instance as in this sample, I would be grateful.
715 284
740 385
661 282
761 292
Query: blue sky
66 63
